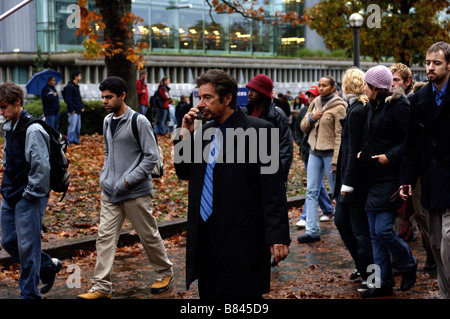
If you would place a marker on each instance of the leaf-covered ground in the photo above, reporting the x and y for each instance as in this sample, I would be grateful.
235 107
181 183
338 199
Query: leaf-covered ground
78 213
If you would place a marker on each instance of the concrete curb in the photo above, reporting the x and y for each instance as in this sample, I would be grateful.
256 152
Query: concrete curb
67 248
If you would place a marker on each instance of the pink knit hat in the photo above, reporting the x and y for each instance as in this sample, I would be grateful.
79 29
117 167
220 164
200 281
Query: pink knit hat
379 76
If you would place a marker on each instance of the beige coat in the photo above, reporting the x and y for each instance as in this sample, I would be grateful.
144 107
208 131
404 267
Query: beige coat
325 134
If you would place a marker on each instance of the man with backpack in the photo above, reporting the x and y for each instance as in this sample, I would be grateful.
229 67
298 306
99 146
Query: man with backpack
127 191
25 189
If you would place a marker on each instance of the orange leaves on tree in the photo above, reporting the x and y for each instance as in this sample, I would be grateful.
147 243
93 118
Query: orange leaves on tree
98 45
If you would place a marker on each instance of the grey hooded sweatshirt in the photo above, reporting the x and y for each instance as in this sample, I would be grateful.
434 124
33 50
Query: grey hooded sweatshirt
124 159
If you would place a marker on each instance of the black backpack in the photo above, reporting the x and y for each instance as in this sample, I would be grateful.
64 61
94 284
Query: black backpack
59 163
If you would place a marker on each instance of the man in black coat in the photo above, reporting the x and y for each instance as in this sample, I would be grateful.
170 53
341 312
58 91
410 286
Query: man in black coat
229 246
50 103
427 155
260 105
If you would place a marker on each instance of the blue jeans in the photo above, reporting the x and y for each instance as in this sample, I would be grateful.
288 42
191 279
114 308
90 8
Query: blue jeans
142 109
386 243
317 166
160 126
53 121
325 203
73 130
21 226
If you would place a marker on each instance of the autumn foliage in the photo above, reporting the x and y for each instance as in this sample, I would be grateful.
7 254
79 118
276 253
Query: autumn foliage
98 44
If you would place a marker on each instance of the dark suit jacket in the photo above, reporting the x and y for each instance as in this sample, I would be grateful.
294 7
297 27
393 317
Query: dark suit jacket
230 252
427 148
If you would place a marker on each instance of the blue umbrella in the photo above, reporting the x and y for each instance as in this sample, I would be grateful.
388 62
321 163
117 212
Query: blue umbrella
40 79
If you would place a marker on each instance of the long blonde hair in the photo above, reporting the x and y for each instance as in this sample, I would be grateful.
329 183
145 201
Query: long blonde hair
353 83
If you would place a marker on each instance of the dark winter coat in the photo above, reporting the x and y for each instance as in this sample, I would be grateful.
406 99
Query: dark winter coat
427 149
73 98
50 103
349 170
278 118
384 133
231 250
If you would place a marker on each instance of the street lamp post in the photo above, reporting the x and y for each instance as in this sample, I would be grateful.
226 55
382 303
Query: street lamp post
356 20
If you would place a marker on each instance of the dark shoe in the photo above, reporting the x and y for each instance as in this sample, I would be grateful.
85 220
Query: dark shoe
364 286
409 278
430 264
377 292
306 239
355 276
47 285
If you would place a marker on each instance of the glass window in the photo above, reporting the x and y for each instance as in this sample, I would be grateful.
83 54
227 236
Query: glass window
215 31
163 30
65 35
240 33
191 29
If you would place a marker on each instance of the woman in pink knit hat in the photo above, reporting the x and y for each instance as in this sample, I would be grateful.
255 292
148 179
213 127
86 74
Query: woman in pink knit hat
384 136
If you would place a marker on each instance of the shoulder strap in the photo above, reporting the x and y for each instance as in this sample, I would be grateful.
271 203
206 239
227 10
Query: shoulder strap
135 129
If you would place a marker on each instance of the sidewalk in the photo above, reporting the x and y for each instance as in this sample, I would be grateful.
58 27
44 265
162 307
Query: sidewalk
312 271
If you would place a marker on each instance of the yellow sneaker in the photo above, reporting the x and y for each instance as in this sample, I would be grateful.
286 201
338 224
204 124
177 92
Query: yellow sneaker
94 294
161 284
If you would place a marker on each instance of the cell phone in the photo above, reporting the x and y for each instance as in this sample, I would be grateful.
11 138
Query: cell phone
199 115
405 189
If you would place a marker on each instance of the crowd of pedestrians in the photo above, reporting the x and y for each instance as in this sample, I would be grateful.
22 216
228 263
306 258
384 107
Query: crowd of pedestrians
380 139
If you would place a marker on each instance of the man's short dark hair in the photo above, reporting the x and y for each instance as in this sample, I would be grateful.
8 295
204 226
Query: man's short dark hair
223 84
441 46
75 74
115 84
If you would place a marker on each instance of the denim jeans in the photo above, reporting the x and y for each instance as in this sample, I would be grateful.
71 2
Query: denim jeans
317 165
142 109
52 120
21 226
386 243
160 126
325 203
73 130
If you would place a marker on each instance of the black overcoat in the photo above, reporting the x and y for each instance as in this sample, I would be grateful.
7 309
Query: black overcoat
230 252
349 170
384 133
427 149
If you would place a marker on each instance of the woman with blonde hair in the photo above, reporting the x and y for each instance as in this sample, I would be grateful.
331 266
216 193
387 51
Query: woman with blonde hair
350 218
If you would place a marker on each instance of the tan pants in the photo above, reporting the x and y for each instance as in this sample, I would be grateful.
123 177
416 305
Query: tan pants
439 222
112 216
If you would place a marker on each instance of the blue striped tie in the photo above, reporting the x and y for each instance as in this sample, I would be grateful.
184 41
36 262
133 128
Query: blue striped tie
206 202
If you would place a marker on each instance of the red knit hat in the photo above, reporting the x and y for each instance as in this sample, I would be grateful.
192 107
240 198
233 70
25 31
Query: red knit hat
261 83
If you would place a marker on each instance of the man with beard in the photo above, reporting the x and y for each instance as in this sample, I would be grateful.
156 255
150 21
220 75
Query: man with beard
427 153
126 191
261 105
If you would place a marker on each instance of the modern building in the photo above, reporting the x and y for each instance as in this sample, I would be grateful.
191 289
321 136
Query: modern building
185 38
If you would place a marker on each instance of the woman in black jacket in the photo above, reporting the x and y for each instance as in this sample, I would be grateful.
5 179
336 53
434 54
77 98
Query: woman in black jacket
350 217
384 136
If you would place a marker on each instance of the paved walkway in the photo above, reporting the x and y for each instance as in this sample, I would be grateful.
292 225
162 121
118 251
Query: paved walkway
312 271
